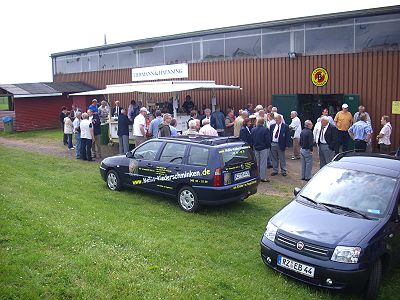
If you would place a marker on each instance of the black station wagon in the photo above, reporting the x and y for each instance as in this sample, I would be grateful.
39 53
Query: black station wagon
342 229
197 170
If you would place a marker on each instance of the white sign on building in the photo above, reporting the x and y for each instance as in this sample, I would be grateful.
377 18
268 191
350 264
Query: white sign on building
160 72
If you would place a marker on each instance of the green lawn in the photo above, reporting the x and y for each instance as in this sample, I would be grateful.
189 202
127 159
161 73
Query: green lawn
51 135
63 234
4 103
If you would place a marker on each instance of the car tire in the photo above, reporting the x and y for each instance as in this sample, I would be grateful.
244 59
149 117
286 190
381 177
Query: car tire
188 200
374 281
113 181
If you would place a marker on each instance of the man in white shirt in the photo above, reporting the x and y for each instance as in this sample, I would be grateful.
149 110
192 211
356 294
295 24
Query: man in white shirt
296 127
207 129
383 137
138 127
87 137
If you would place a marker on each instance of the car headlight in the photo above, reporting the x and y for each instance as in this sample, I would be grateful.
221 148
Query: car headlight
348 255
270 231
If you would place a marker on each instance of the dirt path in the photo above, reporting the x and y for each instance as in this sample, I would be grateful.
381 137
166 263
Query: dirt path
279 185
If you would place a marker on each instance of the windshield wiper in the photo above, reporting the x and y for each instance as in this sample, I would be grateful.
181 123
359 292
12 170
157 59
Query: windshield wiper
317 203
348 209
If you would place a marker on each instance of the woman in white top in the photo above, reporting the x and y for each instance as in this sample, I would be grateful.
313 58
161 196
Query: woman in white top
68 129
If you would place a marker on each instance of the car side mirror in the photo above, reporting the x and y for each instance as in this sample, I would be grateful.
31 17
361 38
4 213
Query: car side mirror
129 154
296 190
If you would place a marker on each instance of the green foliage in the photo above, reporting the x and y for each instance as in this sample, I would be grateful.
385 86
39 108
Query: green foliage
63 234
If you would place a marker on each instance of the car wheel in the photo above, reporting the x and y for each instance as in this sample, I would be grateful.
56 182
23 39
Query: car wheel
374 281
113 181
187 199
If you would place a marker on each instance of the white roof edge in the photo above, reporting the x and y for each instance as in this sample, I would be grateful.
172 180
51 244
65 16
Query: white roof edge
37 95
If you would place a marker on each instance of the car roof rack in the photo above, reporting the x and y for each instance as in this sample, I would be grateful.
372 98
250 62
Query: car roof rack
352 153
204 139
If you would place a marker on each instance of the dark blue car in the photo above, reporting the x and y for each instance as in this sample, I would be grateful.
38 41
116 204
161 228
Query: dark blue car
197 170
342 229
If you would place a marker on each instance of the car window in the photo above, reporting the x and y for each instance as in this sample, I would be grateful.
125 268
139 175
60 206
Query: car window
198 156
362 191
147 151
173 153
236 155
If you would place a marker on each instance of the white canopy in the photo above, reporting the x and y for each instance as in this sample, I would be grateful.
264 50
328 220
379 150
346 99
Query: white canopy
159 87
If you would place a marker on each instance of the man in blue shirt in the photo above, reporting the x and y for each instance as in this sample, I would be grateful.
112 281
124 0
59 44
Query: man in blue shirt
93 107
361 132
153 129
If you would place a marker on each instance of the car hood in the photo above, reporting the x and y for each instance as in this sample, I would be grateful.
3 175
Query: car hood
320 226
116 160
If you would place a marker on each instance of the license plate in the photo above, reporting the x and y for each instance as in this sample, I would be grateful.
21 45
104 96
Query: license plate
295 266
241 175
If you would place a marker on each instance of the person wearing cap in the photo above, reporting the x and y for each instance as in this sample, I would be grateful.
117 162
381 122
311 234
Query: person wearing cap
343 120
139 123
93 107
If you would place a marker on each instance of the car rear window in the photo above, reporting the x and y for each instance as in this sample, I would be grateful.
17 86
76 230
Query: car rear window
235 155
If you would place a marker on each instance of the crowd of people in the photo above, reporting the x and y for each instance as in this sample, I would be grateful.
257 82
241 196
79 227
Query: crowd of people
264 129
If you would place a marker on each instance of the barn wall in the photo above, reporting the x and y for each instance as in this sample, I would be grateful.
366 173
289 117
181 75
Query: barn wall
39 112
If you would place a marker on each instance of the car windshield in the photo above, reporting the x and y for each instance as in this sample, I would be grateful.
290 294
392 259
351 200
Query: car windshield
236 155
361 191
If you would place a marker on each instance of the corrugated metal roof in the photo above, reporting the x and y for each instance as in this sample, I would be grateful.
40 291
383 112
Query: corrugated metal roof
293 21
46 88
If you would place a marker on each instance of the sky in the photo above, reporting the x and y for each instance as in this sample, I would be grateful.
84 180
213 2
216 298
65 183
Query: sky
30 31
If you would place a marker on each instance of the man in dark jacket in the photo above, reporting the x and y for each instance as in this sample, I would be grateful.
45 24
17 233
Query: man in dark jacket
245 132
96 151
306 150
327 140
280 140
123 132
63 114
261 140
218 121
164 129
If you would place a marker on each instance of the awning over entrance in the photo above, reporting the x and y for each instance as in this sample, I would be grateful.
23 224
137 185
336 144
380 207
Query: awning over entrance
159 87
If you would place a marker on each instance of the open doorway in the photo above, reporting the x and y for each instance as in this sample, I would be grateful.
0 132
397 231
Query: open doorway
311 105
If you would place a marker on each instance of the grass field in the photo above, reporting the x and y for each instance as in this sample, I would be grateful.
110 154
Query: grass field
44 135
4 103
63 234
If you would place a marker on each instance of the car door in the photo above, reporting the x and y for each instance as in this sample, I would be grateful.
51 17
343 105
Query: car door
170 168
393 230
142 165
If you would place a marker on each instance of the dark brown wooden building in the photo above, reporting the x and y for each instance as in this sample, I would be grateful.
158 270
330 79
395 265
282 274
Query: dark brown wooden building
273 62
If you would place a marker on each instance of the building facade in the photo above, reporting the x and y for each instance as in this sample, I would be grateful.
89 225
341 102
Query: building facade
360 52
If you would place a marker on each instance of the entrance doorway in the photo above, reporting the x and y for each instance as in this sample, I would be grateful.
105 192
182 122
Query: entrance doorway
310 106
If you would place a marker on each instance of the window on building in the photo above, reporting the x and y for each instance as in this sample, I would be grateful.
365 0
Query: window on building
173 153
61 65
249 46
298 41
127 57
213 50
196 51
330 40
377 36
90 61
108 59
178 53
243 33
73 64
151 56
276 44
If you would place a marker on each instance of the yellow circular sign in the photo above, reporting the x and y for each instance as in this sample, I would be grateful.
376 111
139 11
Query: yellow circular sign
319 76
